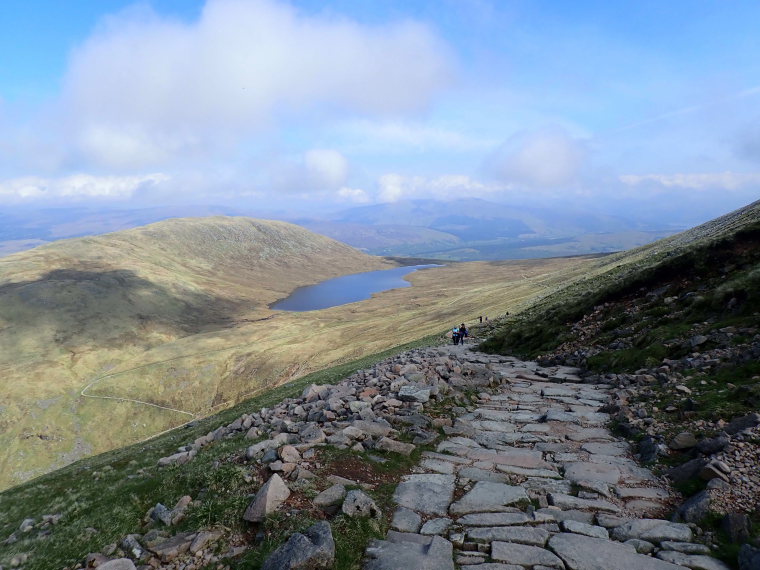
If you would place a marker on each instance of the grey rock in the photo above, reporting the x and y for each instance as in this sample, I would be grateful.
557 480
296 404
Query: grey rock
641 546
313 434
493 519
749 557
378 428
585 553
713 444
436 526
517 534
653 530
569 502
684 440
693 561
267 500
695 509
737 527
174 547
744 422
686 471
330 497
312 550
161 514
487 496
524 555
359 504
118 564
387 444
585 529
387 555
203 539
685 547
131 545
414 393
406 520
582 471
425 493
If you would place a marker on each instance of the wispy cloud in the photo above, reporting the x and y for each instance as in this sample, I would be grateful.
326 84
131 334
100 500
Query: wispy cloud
77 186
696 181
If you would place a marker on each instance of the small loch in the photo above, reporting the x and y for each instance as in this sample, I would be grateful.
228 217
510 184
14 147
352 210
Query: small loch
346 289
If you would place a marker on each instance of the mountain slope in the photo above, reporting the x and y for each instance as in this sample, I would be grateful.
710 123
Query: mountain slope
75 310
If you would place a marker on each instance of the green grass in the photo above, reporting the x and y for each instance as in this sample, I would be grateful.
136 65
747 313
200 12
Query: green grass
112 492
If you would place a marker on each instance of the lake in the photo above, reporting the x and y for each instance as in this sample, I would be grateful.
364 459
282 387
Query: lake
346 289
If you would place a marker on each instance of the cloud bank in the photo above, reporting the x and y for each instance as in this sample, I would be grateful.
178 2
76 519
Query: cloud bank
78 186
144 89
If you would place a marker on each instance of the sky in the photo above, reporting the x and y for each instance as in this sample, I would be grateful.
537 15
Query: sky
646 109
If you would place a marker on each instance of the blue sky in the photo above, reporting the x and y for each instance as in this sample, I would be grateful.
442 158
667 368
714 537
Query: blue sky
638 108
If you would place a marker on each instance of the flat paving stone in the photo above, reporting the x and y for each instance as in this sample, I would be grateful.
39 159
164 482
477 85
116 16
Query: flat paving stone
487 496
475 474
653 530
518 534
575 472
616 448
444 467
569 502
494 519
693 561
586 553
387 555
426 493
525 555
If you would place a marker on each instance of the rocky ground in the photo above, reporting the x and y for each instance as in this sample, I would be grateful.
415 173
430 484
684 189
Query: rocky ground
517 468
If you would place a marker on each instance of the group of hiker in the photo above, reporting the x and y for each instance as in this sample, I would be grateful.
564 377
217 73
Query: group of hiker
458 334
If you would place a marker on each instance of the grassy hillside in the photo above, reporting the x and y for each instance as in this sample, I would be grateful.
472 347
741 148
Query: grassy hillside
706 248
75 310
108 340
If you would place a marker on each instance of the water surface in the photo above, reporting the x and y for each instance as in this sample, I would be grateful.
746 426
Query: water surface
346 289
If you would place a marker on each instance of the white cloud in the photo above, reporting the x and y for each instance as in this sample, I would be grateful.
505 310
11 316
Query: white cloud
696 181
356 195
325 168
545 158
77 186
241 67
316 170
394 187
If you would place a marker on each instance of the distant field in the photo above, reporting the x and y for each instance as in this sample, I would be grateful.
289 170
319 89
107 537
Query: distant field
172 321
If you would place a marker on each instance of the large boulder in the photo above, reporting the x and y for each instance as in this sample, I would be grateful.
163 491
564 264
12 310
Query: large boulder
312 550
267 500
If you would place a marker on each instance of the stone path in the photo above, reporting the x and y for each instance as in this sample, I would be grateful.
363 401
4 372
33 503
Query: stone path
533 478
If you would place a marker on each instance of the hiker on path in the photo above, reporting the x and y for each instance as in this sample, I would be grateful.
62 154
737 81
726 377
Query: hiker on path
455 335
463 332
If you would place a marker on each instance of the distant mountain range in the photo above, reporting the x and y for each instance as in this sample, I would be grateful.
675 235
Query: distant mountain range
467 229
473 229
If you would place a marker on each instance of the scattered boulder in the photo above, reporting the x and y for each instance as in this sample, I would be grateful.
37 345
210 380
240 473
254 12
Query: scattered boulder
684 440
414 393
744 422
359 504
267 500
312 550
737 527
388 444
331 497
